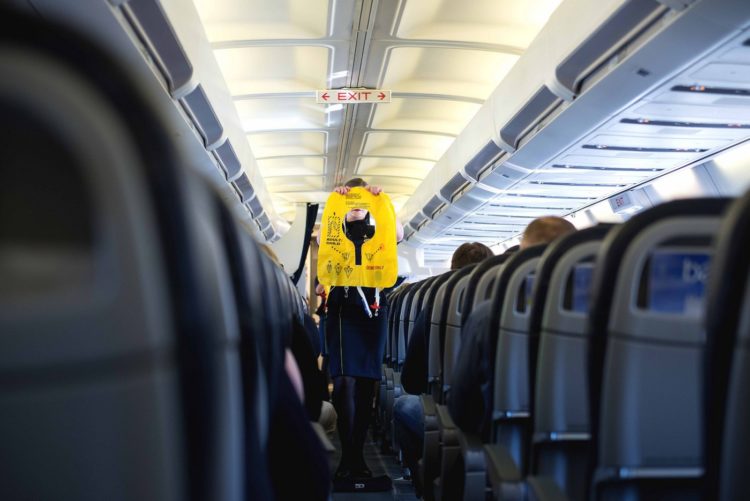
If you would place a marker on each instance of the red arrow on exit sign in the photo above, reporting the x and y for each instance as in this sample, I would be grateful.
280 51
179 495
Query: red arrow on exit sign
352 96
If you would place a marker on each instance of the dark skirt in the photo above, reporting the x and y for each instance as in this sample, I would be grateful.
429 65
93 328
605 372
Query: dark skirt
356 344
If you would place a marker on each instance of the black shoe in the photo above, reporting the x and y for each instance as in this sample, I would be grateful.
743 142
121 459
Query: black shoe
342 474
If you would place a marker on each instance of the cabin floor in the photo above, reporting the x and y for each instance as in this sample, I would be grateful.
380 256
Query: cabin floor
380 464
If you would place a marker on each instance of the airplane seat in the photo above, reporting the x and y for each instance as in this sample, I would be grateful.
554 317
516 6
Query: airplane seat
261 360
430 469
513 295
449 448
559 353
476 289
727 411
647 348
390 372
118 328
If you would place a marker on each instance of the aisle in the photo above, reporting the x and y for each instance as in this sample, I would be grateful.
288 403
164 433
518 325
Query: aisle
380 465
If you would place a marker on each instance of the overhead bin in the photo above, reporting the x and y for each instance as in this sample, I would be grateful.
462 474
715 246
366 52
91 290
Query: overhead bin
574 121
228 160
172 35
153 28
244 187
196 104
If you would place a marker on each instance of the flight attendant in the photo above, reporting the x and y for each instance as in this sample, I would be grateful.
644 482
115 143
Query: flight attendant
356 336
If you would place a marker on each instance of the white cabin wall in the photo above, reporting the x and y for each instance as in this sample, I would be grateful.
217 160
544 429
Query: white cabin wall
730 172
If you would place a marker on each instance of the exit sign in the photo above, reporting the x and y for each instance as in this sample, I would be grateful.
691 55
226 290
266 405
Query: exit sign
352 96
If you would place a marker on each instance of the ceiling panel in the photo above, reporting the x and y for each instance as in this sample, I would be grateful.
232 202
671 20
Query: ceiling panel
406 144
295 183
277 144
387 166
268 70
502 22
281 114
226 20
292 166
432 115
450 72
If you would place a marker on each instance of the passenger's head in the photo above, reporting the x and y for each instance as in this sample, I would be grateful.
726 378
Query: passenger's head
356 214
469 253
544 230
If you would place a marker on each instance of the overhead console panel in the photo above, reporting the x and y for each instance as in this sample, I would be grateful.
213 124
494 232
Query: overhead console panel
598 104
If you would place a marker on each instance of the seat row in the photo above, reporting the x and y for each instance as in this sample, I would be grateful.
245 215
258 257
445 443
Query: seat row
142 330
619 363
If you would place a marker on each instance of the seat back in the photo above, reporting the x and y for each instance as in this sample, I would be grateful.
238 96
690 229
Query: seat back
395 303
438 323
647 350
403 323
560 412
512 302
727 398
417 303
119 332
453 322
479 282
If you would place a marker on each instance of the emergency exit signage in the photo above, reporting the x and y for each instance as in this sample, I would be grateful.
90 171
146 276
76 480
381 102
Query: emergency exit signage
352 96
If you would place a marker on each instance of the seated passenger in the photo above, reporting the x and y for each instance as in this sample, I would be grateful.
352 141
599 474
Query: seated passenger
407 410
470 398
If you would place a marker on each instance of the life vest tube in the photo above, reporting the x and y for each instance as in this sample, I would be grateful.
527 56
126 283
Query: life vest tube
378 263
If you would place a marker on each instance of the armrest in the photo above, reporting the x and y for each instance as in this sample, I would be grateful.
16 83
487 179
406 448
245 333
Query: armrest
475 466
448 429
472 450
544 489
505 476
324 440
429 467
429 408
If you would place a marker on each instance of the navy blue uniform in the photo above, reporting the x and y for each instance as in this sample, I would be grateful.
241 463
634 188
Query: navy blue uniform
356 342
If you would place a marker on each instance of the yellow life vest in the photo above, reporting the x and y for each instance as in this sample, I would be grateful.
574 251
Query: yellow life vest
337 256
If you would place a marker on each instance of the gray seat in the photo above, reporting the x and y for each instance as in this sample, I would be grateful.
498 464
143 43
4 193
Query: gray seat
727 441
559 353
647 353
119 332
438 322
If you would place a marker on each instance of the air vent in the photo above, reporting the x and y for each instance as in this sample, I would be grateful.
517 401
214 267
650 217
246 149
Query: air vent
533 111
454 186
488 154
642 150
151 23
689 125
246 189
255 207
202 113
228 160
720 91
545 183
608 38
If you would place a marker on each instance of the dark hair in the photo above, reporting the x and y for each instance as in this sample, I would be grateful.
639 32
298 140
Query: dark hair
355 182
545 229
469 253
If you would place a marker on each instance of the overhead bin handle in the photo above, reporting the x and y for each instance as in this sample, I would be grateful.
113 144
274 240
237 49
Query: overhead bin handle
627 22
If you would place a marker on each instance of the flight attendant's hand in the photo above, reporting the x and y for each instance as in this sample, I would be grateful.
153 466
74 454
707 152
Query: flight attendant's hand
375 190
341 190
